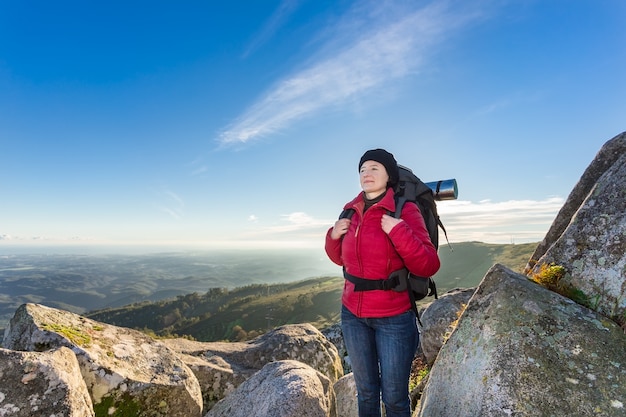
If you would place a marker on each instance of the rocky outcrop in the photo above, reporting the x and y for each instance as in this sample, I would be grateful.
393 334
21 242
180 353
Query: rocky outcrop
67 362
522 350
588 237
222 367
125 371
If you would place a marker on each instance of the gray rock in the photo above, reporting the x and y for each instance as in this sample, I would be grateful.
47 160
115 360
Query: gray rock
285 388
520 349
345 392
335 335
438 320
217 378
42 384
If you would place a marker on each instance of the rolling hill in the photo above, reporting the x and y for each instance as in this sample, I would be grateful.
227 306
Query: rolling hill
244 312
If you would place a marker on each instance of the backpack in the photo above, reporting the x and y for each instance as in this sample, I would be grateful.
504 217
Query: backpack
411 189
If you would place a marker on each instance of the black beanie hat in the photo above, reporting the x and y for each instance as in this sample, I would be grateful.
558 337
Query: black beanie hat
387 160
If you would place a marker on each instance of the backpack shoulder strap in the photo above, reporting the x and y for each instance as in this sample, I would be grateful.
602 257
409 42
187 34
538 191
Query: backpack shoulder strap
346 213
400 200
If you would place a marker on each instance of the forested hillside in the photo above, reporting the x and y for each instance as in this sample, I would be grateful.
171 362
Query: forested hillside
245 312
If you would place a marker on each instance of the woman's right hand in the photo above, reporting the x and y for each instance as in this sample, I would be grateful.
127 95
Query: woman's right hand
340 228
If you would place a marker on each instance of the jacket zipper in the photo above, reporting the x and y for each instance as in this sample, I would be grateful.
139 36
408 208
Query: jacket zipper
358 244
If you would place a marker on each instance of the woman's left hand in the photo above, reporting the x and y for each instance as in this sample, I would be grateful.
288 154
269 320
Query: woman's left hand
388 223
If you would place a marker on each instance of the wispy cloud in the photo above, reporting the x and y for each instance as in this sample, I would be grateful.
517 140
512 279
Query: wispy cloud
174 206
289 224
381 51
513 99
499 222
282 13
514 221
197 167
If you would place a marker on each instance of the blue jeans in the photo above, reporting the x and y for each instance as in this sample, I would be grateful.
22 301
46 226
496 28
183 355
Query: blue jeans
381 352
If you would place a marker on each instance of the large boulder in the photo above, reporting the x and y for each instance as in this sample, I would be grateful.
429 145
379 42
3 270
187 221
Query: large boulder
588 237
520 349
285 388
223 366
125 371
42 384
217 377
439 318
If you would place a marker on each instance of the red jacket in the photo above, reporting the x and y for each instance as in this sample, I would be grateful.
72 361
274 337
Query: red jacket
366 251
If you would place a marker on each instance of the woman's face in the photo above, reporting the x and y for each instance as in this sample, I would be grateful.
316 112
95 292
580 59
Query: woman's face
374 178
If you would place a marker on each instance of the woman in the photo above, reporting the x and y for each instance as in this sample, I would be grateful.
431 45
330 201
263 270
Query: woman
379 326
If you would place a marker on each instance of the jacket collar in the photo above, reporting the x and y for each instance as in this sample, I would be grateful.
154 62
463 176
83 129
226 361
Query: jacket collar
388 202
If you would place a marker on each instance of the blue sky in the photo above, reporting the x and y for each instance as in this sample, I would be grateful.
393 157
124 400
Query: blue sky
240 124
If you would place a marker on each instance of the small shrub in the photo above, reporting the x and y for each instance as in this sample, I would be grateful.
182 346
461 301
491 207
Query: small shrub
549 276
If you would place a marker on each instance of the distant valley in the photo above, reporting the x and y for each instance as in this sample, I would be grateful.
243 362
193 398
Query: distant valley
202 294
80 283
